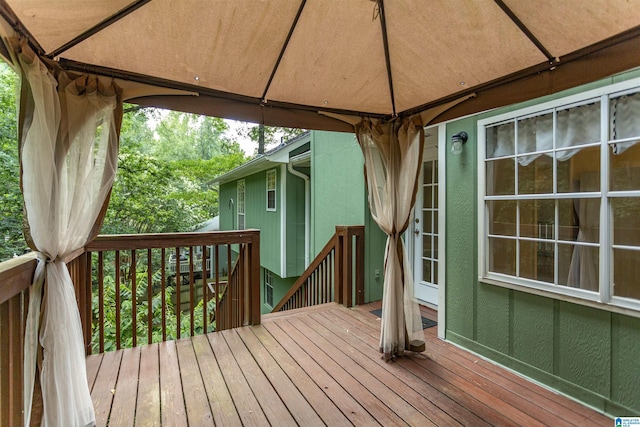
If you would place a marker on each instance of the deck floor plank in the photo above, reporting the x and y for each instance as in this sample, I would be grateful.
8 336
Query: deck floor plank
317 366
419 391
369 400
123 408
300 409
171 395
148 404
222 406
507 388
270 402
195 396
93 365
487 391
321 403
373 377
246 403
349 406
105 385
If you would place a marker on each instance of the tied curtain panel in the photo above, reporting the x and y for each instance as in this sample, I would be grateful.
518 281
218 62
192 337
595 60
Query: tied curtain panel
69 128
392 158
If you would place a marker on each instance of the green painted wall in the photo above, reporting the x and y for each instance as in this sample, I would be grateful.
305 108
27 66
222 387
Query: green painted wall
590 354
295 225
337 180
256 215
339 198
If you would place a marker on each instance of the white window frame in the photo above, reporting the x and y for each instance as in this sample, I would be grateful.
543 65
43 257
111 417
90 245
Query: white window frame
603 299
268 284
241 197
272 173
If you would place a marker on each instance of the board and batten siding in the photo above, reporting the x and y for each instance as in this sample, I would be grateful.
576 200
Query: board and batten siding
588 353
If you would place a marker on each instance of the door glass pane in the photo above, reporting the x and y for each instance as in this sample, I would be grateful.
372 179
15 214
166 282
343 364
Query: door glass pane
426 270
427 196
428 172
426 246
426 222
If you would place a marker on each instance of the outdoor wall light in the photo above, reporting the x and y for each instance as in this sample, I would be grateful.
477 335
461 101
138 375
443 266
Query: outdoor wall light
456 142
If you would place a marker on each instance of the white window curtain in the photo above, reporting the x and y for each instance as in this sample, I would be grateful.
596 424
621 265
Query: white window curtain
68 152
393 157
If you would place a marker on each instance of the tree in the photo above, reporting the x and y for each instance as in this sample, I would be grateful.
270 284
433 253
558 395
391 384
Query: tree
10 195
273 135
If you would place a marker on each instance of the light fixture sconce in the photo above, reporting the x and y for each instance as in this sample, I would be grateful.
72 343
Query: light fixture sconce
456 142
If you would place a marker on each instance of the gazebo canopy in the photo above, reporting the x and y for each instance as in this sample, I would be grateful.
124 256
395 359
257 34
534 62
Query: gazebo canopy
280 62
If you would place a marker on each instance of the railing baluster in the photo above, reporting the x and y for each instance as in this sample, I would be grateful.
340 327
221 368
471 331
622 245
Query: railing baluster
217 285
178 307
101 300
191 291
205 289
149 297
117 285
134 299
163 287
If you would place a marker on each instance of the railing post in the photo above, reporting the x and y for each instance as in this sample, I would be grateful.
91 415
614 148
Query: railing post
253 279
11 361
359 233
347 267
338 269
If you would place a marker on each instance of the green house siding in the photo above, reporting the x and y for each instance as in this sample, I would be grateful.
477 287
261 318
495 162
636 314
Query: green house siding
256 215
588 353
338 185
295 226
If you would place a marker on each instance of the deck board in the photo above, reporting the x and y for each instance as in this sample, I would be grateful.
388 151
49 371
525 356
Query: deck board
316 367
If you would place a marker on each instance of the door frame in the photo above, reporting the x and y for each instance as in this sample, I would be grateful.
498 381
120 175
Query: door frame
442 153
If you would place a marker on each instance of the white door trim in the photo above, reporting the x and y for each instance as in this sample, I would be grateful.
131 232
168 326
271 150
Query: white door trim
442 228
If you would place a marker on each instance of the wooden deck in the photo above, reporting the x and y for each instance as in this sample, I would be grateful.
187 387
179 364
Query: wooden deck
316 366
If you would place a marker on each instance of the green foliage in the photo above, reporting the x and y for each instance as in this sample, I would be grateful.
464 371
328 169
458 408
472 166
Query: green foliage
10 194
142 304
273 135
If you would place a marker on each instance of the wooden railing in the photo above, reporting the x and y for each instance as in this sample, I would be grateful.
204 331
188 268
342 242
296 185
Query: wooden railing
336 273
15 279
151 302
125 294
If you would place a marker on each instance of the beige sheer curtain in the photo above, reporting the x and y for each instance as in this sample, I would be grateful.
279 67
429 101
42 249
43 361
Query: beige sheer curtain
393 157
68 152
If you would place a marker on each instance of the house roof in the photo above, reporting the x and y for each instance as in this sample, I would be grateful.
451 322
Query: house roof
275 156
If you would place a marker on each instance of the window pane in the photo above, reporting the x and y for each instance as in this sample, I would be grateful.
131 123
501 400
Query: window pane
626 221
581 172
578 266
500 177
537 218
623 116
435 171
536 260
535 134
271 199
578 125
579 220
502 217
625 168
501 140
626 270
536 177
502 256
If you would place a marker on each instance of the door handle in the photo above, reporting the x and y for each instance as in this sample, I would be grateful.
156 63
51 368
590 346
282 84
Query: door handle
417 232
